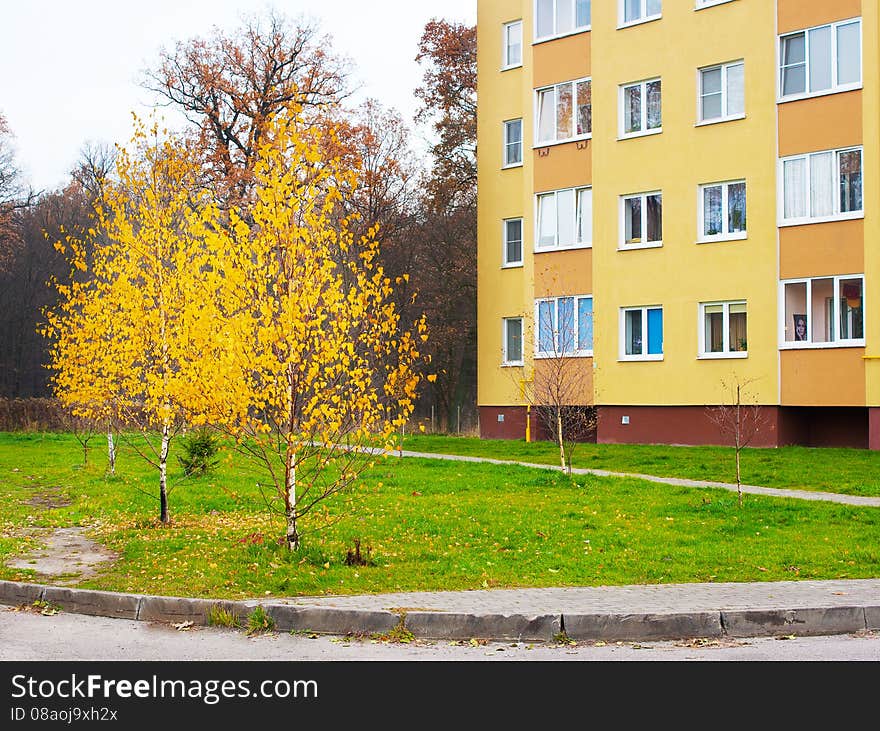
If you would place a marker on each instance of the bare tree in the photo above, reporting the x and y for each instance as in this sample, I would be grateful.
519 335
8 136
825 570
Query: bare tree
561 388
229 85
739 420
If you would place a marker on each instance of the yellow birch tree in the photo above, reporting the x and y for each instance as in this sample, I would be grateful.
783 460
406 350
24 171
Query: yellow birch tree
326 371
135 332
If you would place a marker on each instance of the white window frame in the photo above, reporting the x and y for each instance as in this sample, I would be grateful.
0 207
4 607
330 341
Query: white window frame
505 145
643 16
505 264
575 137
654 357
726 353
808 344
576 28
702 238
836 88
564 247
505 360
505 45
621 244
557 353
622 134
725 117
702 4
809 219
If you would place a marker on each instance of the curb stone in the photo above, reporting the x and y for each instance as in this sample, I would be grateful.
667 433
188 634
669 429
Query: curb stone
642 626
455 625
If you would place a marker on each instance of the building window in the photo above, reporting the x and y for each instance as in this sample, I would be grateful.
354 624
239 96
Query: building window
513 148
513 41
565 112
723 211
640 108
822 186
561 17
513 341
639 11
565 219
642 220
513 244
641 333
821 60
565 327
722 92
824 311
724 332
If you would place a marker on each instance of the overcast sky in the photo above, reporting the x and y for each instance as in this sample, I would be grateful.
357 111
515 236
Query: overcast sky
70 69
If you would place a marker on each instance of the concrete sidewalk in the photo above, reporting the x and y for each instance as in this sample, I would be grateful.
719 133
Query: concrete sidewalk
630 613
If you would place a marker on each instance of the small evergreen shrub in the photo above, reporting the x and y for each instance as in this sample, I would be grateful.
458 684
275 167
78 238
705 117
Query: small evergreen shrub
200 450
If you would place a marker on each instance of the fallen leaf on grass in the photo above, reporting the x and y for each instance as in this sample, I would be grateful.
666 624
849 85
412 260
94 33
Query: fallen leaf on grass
761 568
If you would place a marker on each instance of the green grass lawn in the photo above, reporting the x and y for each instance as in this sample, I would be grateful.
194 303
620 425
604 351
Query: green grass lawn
847 471
429 525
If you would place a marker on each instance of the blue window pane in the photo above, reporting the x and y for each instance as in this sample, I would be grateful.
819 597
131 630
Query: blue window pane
566 325
655 332
546 326
585 323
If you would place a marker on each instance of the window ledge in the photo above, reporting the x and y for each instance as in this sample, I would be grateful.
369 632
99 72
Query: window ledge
640 358
634 135
511 68
512 167
557 36
637 247
576 354
824 219
516 364
556 249
720 120
815 94
723 356
518 265
823 346
722 239
554 143
712 4
640 21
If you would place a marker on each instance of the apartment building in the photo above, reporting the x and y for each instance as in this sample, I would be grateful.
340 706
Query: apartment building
676 196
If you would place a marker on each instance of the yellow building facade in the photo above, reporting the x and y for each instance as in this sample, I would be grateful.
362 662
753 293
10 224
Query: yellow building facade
675 196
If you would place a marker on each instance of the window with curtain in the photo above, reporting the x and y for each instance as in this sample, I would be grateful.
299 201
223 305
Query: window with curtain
723 211
565 326
725 330
823 311
642 333
641 110
822 186
642 220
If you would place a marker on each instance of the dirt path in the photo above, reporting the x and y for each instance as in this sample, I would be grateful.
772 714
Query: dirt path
67 557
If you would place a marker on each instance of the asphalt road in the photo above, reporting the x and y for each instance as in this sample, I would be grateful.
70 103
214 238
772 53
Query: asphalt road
28 636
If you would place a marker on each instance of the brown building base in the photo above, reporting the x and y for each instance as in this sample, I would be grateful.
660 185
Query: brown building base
779 426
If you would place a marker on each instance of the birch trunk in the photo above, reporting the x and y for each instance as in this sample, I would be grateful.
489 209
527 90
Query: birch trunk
163 474
111 451
290 500
559 438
